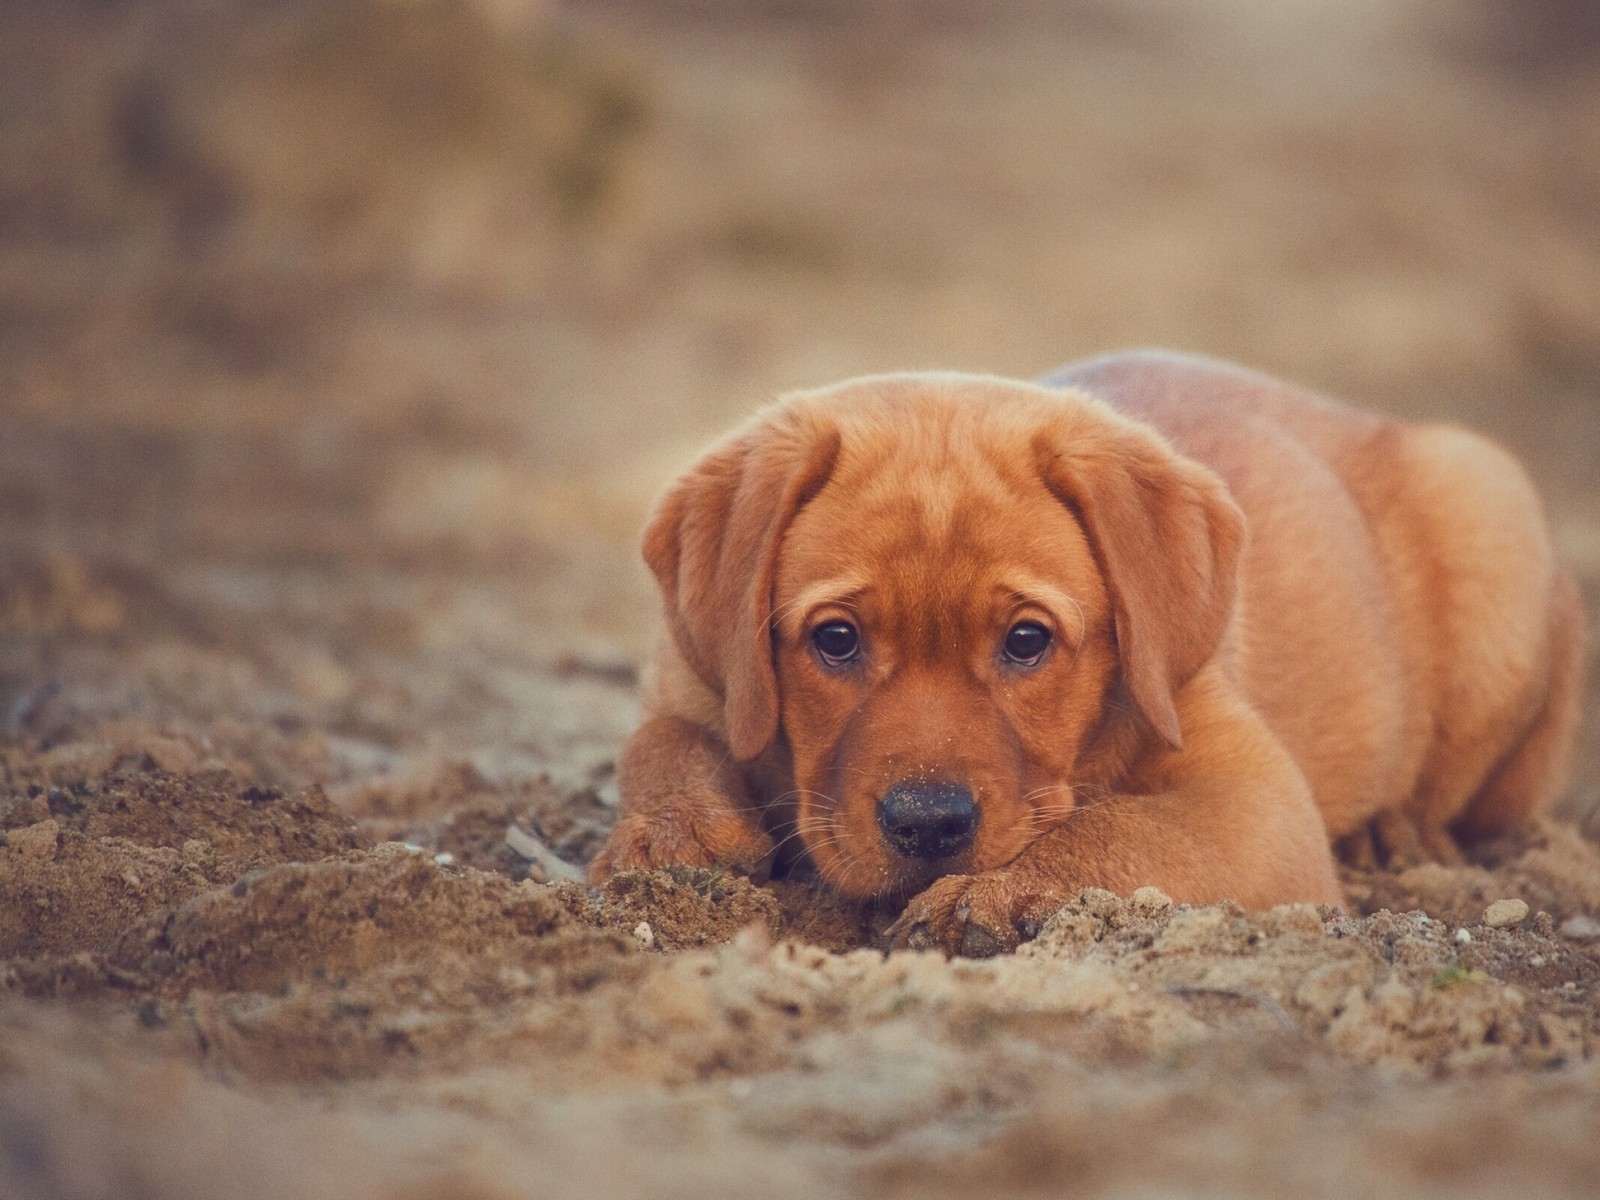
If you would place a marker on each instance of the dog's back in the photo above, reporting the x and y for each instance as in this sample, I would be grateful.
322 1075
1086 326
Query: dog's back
1403 622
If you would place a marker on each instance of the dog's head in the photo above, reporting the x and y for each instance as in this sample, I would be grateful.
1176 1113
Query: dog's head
937 590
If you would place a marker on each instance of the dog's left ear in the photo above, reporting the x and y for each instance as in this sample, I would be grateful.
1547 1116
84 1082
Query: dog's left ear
712 543
1167 537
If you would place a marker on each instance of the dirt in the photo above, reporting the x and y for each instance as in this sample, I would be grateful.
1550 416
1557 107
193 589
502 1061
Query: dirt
341 349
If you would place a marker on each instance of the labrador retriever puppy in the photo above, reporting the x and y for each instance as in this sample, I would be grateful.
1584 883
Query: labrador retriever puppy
1153 620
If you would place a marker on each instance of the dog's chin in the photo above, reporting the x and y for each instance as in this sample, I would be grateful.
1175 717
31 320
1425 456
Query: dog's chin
883 874
914 875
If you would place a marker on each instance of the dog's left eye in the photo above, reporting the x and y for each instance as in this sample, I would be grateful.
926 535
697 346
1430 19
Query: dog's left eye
837 642
1026 643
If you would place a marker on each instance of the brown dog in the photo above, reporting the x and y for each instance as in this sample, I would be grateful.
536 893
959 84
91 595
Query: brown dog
1158 620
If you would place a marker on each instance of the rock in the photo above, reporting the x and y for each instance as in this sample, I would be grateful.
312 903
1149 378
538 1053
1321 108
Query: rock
1579 929
644 935
1503 914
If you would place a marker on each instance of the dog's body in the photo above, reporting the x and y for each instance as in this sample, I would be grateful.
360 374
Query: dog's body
1157 621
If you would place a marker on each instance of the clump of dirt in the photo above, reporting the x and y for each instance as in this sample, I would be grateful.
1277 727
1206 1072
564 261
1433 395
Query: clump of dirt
678 908
346 915
64 893
244 823
90 861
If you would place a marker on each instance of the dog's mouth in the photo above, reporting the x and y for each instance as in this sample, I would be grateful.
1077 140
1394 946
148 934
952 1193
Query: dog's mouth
922 830
911 876
879 873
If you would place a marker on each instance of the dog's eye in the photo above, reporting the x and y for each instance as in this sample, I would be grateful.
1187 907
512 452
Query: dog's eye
837 642
1026 643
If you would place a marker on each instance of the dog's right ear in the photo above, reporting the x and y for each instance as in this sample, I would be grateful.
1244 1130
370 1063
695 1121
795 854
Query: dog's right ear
712 543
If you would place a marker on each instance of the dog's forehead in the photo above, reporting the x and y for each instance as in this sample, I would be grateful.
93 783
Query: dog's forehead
927 515
939 442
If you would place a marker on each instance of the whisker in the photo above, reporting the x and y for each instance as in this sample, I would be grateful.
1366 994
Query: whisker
1046 790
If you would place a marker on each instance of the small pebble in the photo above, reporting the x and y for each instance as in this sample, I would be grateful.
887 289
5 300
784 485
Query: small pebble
1581 929
644 935
1463 936
444 858
1503 914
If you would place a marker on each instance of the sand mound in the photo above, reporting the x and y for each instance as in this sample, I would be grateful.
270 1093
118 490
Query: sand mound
251 919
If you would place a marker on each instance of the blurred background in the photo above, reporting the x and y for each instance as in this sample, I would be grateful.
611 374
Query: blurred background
344 342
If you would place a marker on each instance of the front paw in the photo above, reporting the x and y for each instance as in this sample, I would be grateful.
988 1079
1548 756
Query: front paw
674 837
978 916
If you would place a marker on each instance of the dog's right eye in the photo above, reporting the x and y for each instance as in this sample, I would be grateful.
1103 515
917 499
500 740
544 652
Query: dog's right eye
837 642
1025 644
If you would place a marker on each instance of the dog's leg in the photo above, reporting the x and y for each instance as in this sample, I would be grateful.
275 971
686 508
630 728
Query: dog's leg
1358 849
1229 816
1402 840
683 804
1530 777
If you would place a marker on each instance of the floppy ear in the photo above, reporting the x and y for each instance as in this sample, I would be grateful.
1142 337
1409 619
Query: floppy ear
712 543
1167 538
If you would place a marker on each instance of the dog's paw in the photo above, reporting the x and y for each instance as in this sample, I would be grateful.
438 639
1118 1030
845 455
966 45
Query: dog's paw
978 916
680 838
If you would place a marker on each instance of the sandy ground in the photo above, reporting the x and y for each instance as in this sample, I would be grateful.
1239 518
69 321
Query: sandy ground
341 348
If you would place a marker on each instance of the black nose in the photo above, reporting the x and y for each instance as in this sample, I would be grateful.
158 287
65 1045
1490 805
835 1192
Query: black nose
928 820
